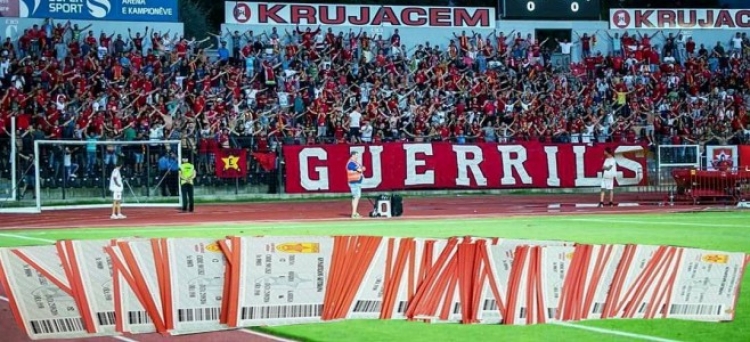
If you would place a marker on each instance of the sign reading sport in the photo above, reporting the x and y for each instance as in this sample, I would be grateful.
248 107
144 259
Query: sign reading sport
263 13
118 10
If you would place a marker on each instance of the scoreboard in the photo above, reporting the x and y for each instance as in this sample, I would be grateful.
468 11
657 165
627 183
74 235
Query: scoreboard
552 9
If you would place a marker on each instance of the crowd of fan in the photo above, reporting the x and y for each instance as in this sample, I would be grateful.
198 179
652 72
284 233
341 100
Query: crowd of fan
314 86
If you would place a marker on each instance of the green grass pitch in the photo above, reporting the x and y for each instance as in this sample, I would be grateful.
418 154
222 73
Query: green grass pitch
720 231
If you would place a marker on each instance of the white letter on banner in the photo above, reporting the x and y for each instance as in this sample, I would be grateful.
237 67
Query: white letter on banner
321 171
509 164
581 179
377 174
629 164
412 177
465 165
553 179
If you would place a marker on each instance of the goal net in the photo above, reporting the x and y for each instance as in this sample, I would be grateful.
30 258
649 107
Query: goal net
74 174
674 157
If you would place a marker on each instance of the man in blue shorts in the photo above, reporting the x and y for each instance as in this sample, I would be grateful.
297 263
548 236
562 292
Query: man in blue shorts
354 172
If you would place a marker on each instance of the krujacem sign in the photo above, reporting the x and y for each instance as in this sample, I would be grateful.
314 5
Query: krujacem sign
263 13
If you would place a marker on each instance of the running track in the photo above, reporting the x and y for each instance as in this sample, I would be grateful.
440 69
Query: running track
418 208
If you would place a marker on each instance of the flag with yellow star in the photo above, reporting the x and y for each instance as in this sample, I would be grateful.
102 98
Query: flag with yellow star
231 163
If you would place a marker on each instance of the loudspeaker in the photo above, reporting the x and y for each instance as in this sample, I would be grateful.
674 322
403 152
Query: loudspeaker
397 206
387 206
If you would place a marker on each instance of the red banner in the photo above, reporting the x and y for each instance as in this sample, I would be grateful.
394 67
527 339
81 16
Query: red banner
744 157
231 163
399 166
266 160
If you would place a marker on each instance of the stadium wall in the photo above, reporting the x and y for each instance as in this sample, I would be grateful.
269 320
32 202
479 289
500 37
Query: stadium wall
414 36
442 35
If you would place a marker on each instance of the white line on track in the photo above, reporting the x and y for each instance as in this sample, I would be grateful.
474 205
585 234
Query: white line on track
649 222
24 237
266 225
615 332
308 223
270 337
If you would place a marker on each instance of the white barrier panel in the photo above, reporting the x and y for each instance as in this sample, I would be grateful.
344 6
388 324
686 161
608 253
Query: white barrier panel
77 289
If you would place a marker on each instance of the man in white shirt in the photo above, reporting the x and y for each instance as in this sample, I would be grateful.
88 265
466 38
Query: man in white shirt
737 44
367 132
115 185
4 66
609 171
565 49
355 118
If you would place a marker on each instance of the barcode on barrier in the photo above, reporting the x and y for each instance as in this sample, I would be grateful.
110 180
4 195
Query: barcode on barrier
523 313
56 326
198 315
695 309
598 308
457 308
368 306
139 317
490 304
106 318
551 312
643 307
402 305
281 311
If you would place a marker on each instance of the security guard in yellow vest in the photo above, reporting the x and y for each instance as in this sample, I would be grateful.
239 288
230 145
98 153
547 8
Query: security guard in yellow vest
187 175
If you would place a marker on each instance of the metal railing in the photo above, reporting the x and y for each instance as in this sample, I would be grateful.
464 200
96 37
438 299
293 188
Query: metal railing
83 176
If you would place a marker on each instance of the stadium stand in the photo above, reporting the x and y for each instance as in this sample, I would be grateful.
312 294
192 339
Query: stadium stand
317 86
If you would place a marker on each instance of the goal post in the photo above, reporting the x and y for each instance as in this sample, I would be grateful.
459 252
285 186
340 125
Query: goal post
74 174
675 157
671 157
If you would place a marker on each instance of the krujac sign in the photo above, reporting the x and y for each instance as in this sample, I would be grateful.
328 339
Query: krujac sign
262 13
401 166
687 19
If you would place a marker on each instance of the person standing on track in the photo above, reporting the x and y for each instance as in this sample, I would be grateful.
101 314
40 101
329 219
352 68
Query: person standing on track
187 175
115 185
609 171
354 172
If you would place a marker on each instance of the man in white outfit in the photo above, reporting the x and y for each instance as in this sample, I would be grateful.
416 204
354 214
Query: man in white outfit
115 185
609 171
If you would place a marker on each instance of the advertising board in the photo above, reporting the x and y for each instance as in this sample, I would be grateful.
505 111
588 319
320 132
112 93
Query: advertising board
684 19
273 14
119 10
